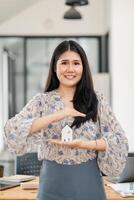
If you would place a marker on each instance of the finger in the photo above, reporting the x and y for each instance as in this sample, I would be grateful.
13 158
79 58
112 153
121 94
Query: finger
80 114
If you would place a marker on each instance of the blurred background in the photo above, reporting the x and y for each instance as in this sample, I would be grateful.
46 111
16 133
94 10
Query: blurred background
31 29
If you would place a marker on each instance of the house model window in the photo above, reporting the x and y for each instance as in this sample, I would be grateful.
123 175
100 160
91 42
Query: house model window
66 134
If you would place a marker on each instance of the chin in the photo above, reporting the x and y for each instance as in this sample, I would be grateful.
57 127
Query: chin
71 83
68 83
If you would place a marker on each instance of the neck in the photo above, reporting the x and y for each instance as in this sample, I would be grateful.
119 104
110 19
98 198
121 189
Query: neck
66 92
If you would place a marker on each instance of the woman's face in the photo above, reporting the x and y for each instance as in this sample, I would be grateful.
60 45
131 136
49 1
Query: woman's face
69 69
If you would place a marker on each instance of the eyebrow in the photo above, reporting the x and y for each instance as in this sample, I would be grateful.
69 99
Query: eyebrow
68 60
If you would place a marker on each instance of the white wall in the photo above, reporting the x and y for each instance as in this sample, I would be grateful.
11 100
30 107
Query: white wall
122 64
3 96
1 100
45 18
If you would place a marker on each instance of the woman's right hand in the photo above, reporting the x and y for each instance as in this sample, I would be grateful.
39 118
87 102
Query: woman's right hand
44 121
71 112
67 112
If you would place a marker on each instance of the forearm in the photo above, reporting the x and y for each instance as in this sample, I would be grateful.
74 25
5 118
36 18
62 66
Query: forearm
99 145
44 121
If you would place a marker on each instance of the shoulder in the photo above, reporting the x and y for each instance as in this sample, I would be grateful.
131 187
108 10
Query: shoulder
102 101
39 100
43 95
100 96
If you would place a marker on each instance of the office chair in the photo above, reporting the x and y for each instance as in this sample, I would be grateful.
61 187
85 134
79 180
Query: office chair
131 154
28 164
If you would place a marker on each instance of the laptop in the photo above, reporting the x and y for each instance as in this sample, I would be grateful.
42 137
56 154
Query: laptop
127 174
7 184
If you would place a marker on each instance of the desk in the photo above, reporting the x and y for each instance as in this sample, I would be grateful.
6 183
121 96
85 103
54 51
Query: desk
17 193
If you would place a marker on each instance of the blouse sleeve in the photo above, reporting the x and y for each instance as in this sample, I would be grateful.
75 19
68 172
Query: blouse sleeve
111 161
17 129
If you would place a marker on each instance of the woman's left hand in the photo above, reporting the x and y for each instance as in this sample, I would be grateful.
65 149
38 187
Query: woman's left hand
77 143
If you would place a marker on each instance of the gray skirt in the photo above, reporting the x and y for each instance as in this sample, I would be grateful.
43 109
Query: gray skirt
70 182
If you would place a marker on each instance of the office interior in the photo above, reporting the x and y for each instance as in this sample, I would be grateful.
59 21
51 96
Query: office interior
29 32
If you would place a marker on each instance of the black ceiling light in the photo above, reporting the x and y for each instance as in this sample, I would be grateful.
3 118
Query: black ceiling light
76 2
72 13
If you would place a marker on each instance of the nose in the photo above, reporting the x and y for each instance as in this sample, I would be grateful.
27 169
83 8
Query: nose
70 67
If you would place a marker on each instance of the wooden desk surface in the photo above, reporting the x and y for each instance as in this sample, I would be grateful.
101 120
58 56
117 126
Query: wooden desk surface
17 193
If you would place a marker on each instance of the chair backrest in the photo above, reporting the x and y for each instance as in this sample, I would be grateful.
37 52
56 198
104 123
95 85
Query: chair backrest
1 170
131 154
28 164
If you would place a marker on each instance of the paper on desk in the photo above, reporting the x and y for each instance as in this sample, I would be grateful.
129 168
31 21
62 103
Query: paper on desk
124 189
17 178
30 185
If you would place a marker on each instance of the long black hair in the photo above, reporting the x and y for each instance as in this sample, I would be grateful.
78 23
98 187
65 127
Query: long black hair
85 99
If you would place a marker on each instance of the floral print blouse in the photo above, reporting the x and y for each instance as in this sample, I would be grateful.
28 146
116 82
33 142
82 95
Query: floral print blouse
111 161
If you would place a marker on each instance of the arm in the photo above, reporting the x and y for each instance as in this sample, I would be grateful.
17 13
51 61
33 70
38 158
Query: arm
17 129
111 161
99 145
43 122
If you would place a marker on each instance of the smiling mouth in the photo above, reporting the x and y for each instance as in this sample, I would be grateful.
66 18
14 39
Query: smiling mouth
70 77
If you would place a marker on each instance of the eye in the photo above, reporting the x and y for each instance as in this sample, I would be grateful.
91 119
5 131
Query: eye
64 63
76 63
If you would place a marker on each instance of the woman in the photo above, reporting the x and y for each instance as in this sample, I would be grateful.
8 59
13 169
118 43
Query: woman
71 169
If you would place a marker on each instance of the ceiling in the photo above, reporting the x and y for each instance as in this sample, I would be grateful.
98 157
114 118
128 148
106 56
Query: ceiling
10 8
